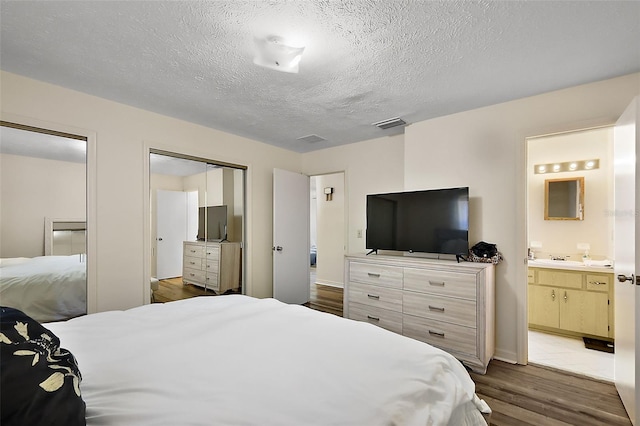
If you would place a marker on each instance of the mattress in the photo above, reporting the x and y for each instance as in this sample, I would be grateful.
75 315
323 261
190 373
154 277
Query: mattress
47 288
238 360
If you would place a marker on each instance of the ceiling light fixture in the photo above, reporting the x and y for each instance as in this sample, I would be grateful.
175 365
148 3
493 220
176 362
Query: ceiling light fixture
271 52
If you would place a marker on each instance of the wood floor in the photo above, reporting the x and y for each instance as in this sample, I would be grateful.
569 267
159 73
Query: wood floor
523 395
172 289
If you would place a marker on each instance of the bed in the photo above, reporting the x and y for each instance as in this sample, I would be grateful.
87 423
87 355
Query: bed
47 288
238 360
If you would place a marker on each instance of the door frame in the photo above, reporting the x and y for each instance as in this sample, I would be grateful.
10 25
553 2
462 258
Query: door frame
345 209
91 199
522 319
157 148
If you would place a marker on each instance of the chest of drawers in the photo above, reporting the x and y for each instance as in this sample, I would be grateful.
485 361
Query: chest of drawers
447 304
212 265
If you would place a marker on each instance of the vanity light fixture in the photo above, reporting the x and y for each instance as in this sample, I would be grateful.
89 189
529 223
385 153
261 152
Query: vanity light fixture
271 52
567 166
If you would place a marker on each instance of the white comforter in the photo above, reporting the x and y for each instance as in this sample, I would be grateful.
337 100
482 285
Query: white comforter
236 360
47 288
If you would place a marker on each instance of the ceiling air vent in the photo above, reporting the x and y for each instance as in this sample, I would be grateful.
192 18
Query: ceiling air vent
389 123
311 139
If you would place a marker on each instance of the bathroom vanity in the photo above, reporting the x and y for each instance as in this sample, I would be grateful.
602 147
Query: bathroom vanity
571 299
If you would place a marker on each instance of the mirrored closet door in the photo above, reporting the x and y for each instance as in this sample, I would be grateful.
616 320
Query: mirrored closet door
197 227
43 265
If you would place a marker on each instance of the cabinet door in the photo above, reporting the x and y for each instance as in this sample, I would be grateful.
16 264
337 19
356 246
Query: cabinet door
543 306
584 312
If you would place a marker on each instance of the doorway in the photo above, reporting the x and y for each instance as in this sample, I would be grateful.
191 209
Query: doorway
570 278
327 240
197 226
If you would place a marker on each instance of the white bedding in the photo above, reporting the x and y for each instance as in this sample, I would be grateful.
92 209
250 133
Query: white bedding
47 288
237 360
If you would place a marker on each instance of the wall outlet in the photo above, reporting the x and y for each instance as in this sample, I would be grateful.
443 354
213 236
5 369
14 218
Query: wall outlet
359 233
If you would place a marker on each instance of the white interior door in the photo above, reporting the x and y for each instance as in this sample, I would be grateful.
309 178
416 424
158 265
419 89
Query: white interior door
171 217
290 236
627 294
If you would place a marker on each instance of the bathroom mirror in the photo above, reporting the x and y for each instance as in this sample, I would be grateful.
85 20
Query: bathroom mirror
564 199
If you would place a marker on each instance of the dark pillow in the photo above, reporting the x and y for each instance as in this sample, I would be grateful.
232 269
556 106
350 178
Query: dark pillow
40 382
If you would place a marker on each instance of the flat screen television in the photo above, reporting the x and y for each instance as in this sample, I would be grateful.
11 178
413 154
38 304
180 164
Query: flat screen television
212 223
429 221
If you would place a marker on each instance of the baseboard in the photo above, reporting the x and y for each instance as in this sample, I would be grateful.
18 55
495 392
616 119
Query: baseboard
506 356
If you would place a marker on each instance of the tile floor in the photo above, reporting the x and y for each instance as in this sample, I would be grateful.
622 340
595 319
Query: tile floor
569 354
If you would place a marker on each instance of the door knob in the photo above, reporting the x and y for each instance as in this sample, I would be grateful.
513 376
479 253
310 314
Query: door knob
622 278
276 248
160 239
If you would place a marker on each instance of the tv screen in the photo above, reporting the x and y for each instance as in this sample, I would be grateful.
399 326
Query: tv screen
212 223
430 221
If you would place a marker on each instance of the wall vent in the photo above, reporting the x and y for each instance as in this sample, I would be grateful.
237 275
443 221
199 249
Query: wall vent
311 139
390 122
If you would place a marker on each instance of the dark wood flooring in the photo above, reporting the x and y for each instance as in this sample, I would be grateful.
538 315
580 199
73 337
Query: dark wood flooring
525 395
172 289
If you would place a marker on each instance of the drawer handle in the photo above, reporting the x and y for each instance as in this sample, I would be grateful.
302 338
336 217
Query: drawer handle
192 251
191 274
193 263
438 283
371 274
373 296
373 318
597 283
435 308
436 333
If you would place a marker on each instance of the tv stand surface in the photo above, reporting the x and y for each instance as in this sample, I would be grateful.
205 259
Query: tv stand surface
445 303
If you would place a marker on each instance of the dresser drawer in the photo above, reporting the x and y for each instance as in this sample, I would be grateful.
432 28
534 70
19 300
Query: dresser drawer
212 252
193 250
442 283
388 276
452 310
560 279
192 262
599 282
384 318
194 275
531 276
212 281
381 297
211 265
440 334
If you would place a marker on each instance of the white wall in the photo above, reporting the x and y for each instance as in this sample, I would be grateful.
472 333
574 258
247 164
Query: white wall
122 133
485 150
32 189
372 166
560 237
330 221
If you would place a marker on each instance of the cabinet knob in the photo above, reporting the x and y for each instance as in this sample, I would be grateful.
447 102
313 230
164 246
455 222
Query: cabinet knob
553 295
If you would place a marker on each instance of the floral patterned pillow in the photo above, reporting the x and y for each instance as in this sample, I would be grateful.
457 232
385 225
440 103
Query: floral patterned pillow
40 381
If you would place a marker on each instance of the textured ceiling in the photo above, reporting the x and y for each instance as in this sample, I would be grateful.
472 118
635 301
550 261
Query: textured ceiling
364 60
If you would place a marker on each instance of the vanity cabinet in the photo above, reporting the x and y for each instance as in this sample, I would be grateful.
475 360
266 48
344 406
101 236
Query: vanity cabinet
574 303
212 265
447 304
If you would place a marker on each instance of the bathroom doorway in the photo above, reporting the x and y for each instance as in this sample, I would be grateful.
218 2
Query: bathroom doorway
570 278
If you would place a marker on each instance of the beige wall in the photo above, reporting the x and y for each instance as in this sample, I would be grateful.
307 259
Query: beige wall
482 148
122 134
330 222
30 190
560 237
485 150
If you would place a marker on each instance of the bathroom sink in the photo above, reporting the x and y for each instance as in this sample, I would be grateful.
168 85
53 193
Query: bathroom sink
557 262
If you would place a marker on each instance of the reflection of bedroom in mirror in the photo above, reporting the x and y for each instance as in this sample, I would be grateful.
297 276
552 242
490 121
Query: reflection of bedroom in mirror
197 227
43 222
